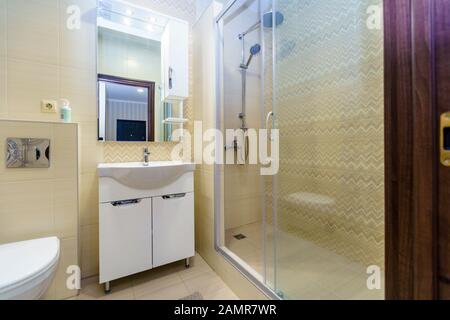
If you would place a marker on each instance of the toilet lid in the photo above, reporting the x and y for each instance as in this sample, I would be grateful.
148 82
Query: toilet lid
25 260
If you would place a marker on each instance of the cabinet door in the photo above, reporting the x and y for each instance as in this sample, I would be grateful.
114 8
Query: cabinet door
125 238
173 228
175 60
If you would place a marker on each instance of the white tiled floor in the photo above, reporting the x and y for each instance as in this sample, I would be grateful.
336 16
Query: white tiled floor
304 270
170 282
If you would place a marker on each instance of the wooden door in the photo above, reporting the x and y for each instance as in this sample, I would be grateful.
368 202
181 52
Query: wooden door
417 71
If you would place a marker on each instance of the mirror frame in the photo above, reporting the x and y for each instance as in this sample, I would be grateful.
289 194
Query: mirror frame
150 86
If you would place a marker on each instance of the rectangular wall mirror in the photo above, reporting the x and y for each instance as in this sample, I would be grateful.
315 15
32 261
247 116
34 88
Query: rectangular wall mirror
142 73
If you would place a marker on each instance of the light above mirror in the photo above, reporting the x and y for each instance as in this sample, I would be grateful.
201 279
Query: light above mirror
116 15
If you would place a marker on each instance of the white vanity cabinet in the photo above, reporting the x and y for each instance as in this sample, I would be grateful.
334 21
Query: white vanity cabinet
141 229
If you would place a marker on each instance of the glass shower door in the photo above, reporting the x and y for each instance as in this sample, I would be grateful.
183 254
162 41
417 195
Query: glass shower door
326 235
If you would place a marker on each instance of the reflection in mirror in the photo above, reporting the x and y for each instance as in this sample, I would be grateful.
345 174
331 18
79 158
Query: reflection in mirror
128 108
132 105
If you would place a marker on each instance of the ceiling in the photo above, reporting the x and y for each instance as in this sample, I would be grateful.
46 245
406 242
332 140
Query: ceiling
126 93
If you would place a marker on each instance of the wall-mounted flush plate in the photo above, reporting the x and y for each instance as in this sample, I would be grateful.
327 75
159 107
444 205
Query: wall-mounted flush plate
48 106
27 153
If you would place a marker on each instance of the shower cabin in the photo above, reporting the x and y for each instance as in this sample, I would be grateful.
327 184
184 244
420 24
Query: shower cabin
313 70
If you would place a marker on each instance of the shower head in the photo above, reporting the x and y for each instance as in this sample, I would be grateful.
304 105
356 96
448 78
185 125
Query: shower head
254 50
267 22
268 19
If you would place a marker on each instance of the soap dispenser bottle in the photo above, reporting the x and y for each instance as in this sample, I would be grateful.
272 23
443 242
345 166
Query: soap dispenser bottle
65 111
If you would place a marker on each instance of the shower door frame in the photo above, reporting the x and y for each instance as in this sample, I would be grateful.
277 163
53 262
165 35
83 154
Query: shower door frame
258 280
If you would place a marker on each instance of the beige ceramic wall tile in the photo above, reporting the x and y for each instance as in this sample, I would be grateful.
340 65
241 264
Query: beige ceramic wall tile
204 225
89 250
243 211
79 87
243 182
64 148
78 45
26 210
89 199
3 87
69 257
3 27
31 37
50 294
207 183
28 84
91 150
65 208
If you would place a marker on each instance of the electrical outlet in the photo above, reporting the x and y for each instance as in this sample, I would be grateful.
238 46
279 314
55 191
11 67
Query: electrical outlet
48 106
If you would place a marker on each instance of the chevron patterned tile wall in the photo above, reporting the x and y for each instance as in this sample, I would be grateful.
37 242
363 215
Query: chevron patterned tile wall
132 152
329 105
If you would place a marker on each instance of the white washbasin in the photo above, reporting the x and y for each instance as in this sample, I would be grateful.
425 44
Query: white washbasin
138 176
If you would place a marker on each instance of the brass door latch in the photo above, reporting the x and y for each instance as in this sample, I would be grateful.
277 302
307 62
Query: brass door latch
445 139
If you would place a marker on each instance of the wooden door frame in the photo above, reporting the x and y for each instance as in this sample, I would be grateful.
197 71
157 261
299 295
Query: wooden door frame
442 55
411 144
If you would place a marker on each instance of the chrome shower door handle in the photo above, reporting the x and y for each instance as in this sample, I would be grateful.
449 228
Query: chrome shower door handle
270 115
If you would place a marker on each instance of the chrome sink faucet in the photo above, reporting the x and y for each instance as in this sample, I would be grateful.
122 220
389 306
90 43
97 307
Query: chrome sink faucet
146 155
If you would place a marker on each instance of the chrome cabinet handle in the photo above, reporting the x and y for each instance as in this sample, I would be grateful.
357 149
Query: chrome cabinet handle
174 196
170 78
125 203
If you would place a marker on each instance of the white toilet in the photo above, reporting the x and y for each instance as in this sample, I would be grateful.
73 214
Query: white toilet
27 268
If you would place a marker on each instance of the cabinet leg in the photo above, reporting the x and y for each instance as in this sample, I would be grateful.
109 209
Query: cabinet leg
108 287
188 263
